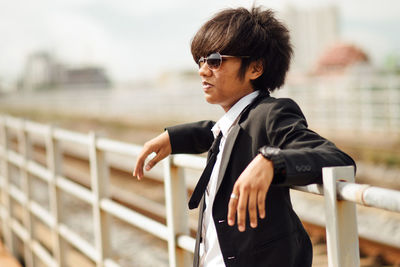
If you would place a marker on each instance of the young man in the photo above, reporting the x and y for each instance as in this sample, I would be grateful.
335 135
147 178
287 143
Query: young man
246 216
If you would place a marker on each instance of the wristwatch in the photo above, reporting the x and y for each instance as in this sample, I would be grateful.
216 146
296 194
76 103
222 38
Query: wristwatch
273 154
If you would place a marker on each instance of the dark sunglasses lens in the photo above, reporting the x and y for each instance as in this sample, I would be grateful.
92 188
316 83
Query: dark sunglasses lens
214 60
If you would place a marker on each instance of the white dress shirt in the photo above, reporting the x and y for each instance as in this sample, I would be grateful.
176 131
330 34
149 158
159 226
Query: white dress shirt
210 251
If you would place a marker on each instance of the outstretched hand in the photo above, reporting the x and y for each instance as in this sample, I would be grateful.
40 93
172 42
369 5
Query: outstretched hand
250 192
160 145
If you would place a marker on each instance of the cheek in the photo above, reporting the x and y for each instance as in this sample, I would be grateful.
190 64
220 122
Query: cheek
223 84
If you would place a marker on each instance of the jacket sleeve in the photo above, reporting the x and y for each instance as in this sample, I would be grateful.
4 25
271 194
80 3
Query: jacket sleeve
303 151
191 138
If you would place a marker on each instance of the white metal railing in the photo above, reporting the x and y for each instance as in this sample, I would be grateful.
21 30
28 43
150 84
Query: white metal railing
340 193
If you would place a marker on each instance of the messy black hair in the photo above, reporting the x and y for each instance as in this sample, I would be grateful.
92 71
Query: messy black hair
255 33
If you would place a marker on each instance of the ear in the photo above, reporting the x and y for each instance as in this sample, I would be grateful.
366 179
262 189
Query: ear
256 69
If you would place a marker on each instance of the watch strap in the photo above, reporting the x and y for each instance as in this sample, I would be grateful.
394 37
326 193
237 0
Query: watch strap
273 154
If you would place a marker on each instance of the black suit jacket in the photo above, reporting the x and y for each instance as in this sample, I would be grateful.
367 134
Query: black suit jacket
279 239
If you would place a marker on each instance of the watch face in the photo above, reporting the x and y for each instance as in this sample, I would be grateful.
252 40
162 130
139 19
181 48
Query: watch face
272 150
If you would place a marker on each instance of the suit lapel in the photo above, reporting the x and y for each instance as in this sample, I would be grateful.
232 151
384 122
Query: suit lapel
230 141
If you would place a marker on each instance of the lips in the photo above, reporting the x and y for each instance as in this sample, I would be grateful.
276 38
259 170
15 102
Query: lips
207 85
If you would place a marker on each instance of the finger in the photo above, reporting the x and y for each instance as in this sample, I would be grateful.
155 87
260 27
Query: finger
232 208
261 196
138 168
154 159
253 208
242 209
138 172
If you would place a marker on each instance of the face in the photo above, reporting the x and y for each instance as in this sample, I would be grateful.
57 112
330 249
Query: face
223 85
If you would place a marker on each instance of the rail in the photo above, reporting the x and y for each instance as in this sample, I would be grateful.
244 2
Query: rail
340 195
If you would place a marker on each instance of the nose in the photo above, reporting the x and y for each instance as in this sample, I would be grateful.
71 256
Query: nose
204 70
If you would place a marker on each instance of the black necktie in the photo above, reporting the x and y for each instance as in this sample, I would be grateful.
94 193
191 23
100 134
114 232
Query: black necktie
205 176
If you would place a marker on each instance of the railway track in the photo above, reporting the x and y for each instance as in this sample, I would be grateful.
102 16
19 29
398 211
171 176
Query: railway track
133 247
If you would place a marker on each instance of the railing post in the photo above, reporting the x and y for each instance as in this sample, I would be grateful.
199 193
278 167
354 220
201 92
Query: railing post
177 217
6 224
99 173
54 164
26 152
341 220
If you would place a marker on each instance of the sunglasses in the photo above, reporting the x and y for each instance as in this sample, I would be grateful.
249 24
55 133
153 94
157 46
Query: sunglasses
214 60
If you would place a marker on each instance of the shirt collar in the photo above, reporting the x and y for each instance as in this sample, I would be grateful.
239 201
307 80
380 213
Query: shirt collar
225 122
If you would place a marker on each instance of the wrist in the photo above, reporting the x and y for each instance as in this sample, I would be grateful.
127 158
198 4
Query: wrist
274 155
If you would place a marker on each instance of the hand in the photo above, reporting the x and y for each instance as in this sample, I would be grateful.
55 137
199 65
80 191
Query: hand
251 187
160 145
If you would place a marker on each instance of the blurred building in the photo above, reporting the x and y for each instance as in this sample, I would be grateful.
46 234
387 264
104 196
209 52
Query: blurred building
42 71
85 76
341 58
312 30
344 95
179 79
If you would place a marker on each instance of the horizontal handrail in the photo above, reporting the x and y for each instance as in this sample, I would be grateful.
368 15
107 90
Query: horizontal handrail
126 149
189 161
134 218
77 241
370 196
361 194
42 214
43 254
74 189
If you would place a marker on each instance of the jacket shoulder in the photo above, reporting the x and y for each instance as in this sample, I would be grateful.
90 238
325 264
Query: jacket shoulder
275 106
272 102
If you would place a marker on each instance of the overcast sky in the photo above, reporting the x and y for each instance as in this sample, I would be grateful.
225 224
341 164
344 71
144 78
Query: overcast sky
136 39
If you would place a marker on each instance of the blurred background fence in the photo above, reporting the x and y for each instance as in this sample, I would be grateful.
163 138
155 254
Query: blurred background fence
350 105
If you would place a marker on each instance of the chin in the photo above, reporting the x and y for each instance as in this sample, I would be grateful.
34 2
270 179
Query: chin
210 99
